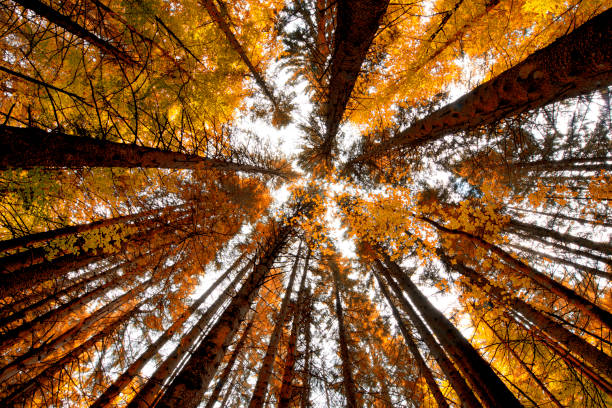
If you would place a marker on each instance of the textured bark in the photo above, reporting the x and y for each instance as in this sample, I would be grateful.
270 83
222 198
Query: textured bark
569 295
575 64
25 392
416 354
214 14
287 391
149 393
535 230
188 387
39 354
229 366
305 393
456 380
491 390
591 354
267 365
106 399
27 148
67 24
357 22
347 376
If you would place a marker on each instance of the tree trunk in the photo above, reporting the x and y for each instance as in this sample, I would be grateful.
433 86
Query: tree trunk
148 394
465 394
188 387
267 365
491 390
214 396
416 354
305 379
43 84
575 64
597 358
287 390
26 148
106 399
570 164
570 296
347 376
561 216
357 22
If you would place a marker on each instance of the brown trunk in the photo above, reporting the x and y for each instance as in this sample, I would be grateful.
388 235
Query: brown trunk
305 378
45 379
558 215
224 27
535 230
148 394
267 365
67 24
357 22
570 164
214 396
347 375
491 390
416 354
544 281
188 387
27 148
575 64
126 378
598 359
465 394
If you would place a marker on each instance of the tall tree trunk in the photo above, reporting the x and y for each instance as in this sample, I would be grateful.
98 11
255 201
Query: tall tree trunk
597 358
229 366
305 378
148 394
26 391
561 216
287 390
267 365
347 376
456 380
357 22
570 296
491 390
570 164
214 14
30 147
188 387
106 399
416 354
67 24
575 64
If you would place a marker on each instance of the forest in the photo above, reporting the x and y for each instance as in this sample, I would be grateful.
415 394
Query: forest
306 203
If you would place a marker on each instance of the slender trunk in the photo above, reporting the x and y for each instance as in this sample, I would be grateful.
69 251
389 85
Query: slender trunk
214 396
357 22
535 230
214 14
570 164
45 379
563 261
570 296
148 394
347 376
525 367
286 392
228 392
67 24
38 355
491 390
562 216
465 394
267 365
27 148
42 83
575 64
106 399
40 237
305 393
416 354
595 357
187 389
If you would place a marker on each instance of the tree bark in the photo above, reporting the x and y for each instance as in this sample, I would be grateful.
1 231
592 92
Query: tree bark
416 354
26 148
559 215
491 390
575 64
465 394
